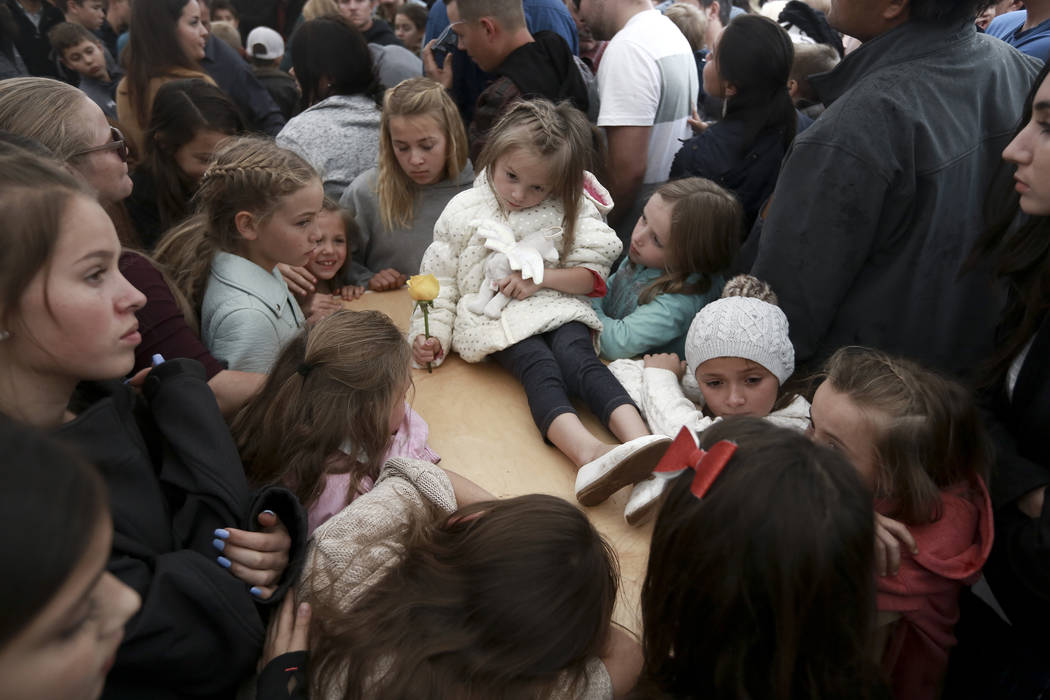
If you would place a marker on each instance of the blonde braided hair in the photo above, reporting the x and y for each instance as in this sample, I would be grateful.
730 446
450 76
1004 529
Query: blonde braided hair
249 174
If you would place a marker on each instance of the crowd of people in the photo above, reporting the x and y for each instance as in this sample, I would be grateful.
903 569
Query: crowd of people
794 256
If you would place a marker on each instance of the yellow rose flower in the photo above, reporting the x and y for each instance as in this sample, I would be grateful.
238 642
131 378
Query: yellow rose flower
423 287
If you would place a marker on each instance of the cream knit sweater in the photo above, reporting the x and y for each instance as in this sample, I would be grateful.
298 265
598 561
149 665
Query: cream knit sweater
356 547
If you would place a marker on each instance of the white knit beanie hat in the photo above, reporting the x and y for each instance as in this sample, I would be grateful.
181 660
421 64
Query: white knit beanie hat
742 326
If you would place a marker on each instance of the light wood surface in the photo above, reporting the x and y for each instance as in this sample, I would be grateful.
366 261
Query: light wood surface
481 426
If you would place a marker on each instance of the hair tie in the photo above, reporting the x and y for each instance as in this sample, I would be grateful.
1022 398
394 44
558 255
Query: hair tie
304 369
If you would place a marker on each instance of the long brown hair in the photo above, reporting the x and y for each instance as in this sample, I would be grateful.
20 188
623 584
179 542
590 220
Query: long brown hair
152 50
35 192
564 138
248 174
1021 257
765 587
503 600
706 223
931 439
396 191
336 381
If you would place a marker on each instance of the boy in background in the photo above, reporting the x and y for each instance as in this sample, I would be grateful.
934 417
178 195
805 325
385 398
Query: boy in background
81 52
265 48
810 59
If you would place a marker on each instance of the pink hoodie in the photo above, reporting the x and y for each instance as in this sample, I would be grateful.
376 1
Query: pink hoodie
926 589
410 440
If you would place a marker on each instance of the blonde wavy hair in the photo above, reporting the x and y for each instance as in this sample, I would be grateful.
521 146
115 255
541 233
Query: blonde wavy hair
248 174
319 8
46 111
397 192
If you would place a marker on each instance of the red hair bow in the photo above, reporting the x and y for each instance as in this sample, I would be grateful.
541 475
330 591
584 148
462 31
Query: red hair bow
684 454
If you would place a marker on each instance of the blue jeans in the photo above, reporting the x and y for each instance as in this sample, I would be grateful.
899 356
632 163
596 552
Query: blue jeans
559 364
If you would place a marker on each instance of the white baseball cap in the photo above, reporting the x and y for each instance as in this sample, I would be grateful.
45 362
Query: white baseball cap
264 43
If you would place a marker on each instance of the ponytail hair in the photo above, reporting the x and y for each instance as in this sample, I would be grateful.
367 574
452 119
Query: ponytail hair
931 439
706 223
249 174
563 137
755 55
337 381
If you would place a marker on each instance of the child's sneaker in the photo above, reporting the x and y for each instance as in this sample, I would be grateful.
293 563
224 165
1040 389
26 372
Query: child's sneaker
621 466
645 500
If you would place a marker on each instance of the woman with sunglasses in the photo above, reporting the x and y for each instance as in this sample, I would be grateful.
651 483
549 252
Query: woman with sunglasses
72 127
67 123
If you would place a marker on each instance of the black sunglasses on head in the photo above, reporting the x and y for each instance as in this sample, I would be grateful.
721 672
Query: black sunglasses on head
117 143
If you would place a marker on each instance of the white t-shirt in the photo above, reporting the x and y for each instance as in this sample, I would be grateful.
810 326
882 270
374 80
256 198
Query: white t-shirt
647 76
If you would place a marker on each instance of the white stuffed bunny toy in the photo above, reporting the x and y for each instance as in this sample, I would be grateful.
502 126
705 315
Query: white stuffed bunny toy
527 256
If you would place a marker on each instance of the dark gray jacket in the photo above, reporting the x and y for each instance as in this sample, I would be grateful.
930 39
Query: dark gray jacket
879 202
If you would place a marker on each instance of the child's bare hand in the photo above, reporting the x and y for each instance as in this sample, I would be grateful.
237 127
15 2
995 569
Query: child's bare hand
666 360
426 350
890 534
351 292
697 124
298 279
323 305
257 558
515 287
288 631
386 280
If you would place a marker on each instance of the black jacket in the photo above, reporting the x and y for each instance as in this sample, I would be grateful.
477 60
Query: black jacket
174 476
32 42
720 154
1019 567
381 33
542 68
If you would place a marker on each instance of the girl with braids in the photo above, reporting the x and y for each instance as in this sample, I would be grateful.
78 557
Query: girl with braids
684 240
257 206
748 68
534 181
917 442
332 412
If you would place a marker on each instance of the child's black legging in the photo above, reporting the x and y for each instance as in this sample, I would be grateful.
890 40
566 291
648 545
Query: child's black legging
558 364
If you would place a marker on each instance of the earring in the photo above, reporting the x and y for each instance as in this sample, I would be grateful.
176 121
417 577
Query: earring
4 335
725 105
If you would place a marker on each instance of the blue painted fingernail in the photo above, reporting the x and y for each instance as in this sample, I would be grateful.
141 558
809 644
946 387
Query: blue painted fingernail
222 534
218 544
223 562
270 512
255 591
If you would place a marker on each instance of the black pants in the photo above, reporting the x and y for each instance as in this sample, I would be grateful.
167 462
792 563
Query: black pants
559 364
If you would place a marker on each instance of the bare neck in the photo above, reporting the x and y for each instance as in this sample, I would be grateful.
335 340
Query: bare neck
34 399
1038 11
